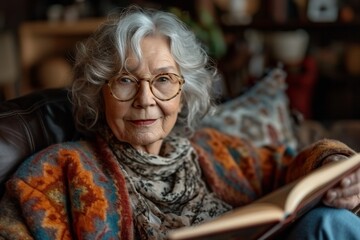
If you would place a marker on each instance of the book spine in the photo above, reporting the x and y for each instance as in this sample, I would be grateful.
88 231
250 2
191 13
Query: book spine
279 10
356 210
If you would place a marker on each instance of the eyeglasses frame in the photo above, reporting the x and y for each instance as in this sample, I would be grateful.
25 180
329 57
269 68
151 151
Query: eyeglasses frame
149 80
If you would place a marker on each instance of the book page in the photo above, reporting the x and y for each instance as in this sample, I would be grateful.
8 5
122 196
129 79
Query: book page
319 181
311 187
270 213
260 215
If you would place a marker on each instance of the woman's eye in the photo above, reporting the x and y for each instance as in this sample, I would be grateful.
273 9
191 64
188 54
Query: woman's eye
162 79
126 80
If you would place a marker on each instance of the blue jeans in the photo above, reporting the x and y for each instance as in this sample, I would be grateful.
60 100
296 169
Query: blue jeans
326 223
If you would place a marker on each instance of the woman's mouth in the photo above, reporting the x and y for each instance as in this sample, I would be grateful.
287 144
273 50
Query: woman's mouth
143 122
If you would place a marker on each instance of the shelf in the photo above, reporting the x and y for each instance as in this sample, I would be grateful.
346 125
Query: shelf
41 39
293 25
61 28
336 94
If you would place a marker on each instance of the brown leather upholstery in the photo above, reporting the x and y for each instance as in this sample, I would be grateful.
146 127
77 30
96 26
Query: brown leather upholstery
31 123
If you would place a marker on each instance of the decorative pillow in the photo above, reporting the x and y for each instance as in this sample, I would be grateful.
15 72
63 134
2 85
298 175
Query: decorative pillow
261 114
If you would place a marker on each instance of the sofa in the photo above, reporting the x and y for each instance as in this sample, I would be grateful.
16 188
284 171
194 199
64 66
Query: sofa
31 123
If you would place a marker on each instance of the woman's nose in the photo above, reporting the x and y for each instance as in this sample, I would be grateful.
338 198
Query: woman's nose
144 97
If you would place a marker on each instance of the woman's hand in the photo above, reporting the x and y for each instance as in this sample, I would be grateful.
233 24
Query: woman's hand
347 193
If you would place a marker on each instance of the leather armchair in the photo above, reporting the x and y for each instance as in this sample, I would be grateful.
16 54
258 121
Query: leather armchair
31 123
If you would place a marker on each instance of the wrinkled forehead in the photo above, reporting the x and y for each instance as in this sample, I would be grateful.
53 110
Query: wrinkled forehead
132 63
132 60
151 53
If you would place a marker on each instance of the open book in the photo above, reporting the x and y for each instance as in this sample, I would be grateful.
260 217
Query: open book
269 215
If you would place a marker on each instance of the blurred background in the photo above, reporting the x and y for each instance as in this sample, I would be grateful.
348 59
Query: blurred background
317 42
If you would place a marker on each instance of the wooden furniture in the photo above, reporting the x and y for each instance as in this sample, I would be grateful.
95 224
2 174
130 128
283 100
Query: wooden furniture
40 40
337 90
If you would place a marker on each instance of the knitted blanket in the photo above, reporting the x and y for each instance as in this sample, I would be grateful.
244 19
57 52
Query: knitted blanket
76 190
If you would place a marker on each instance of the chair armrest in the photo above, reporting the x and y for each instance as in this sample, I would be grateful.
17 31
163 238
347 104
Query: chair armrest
31 123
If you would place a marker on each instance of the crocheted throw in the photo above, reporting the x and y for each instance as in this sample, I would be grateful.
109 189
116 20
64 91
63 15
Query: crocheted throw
77 190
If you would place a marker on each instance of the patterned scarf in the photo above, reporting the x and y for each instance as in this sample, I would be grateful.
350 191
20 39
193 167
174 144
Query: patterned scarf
166 190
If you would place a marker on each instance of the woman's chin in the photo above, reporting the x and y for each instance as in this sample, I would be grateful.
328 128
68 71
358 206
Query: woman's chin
144 142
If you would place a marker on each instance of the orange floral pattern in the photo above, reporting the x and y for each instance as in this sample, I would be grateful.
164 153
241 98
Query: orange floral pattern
66 192
77 190
239 172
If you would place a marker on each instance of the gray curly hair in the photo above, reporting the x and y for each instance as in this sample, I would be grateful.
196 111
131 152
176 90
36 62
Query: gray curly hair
104 54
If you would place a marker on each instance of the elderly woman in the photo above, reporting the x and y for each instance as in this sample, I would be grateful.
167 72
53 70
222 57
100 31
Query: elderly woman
142 81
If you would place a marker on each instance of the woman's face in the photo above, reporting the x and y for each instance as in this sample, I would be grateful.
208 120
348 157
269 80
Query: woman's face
145 120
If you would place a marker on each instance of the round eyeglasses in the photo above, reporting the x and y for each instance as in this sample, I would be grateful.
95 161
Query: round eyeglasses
164 86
